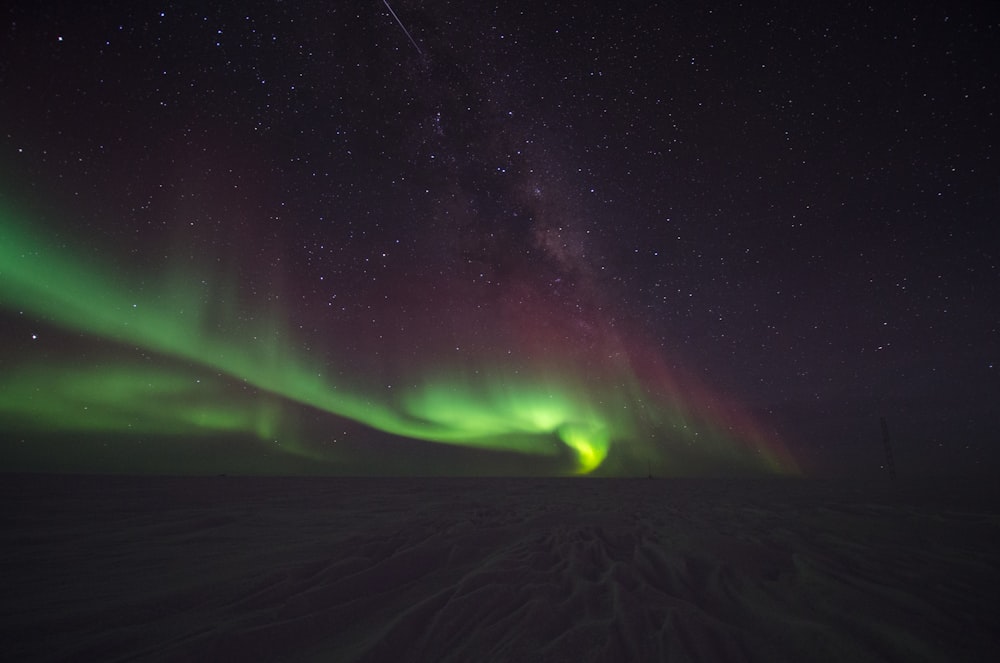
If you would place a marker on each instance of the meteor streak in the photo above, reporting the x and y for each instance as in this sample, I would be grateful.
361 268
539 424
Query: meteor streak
408 35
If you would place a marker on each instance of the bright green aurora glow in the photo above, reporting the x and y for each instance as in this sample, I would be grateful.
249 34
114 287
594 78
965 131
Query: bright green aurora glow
202 368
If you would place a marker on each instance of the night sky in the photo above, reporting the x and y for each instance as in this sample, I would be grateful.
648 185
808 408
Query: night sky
512 238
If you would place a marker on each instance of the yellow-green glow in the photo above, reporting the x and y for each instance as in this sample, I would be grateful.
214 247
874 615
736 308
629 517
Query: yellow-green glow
130 398
55 286
184 324
589 442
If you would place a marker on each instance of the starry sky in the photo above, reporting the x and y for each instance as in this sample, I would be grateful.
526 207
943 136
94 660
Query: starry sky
434 237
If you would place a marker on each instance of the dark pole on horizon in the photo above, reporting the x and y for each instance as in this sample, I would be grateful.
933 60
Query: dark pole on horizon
888 450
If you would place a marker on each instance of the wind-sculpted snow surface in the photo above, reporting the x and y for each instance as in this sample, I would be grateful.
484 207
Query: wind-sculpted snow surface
105 568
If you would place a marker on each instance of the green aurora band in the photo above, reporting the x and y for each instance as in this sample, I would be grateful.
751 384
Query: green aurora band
519 411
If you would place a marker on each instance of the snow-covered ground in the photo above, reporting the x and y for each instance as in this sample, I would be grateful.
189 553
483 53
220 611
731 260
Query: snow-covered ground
331 569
